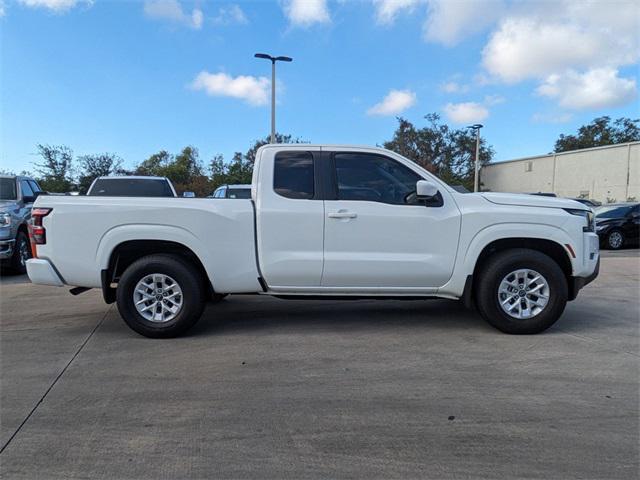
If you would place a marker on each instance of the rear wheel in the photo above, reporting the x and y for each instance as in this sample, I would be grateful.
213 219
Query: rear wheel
521 291
160 296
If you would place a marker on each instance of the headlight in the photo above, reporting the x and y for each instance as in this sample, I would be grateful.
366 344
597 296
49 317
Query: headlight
5 219
588 216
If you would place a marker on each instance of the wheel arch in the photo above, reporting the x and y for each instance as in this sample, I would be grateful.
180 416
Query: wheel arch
127 252
551 248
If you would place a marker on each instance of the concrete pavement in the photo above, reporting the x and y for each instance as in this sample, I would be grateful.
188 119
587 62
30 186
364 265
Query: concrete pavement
266 388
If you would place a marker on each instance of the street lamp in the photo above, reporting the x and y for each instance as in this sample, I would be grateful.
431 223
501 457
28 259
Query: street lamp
273 88
476 127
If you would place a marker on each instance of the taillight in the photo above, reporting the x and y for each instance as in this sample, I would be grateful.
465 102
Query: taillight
37 233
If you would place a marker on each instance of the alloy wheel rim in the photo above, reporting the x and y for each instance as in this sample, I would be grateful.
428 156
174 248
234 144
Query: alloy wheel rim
158 298
23 251
615 240
523 293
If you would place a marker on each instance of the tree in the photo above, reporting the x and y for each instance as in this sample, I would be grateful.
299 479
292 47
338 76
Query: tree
250 156
56 171
240 169
154 165
184 167
448 153
94 166
601 131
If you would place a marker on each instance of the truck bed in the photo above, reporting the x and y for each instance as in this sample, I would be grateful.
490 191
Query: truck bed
82 232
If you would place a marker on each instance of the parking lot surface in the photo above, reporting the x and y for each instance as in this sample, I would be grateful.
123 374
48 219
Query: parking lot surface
266 388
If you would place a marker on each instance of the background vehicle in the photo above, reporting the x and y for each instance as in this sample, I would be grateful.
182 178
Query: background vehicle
323 221
17 195
618 224
131 186
587 202
232 191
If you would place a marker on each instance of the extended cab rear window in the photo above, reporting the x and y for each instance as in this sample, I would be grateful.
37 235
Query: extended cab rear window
293 175
130 187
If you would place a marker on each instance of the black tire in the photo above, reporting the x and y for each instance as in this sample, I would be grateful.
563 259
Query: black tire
497 267
185 275
21 253
615 240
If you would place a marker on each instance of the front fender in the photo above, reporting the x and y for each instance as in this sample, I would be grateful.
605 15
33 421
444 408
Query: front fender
473 247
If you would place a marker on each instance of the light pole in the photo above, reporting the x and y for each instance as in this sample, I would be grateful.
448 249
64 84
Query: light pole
476 167
273 88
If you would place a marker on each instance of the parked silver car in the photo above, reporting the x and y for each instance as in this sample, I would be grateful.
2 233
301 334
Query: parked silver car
17 195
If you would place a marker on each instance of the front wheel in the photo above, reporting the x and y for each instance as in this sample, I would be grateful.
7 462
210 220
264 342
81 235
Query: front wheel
615 240
160 296
21 253
521 291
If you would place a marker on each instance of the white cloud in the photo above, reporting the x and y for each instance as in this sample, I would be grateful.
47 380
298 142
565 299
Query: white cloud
454 87
57 6
491 100
596 88
303 13
230 15
386 11
449 21
527 48
394 103
468 112
171 10
253 90
574 49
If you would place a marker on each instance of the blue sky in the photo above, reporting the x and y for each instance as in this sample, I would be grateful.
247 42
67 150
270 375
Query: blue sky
134 77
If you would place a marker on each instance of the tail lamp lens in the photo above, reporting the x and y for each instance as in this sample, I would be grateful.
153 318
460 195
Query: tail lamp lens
37 232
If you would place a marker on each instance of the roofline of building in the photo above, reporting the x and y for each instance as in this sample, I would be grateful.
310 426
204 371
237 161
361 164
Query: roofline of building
603 147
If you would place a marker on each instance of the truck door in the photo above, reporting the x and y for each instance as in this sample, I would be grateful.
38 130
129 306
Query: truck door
290 217
378 235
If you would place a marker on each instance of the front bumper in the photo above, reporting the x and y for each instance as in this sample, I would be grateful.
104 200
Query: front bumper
41 272
577 283
6 249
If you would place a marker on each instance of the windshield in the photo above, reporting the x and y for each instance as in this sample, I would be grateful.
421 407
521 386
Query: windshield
8 189
131 187
239 193
613 211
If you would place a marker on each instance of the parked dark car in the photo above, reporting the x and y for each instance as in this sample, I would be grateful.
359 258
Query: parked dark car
618 225
587 202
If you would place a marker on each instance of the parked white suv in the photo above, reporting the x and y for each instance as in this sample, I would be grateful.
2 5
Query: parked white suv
131 186
322 221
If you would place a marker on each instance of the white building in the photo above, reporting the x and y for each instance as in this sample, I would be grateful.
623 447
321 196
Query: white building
606 174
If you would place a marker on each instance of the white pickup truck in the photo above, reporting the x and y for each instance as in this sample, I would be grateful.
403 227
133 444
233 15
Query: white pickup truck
322 221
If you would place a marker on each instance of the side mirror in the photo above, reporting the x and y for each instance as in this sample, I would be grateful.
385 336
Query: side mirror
426 189
188 195
28 198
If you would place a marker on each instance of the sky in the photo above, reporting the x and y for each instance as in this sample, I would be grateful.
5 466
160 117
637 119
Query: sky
136 77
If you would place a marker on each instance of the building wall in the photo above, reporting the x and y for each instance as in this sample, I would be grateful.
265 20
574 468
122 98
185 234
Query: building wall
603 173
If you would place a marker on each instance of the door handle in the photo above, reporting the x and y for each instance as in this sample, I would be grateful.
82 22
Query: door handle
343 214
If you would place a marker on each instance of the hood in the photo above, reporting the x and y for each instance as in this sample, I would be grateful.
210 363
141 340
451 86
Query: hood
6 205
525 200
605 221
